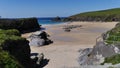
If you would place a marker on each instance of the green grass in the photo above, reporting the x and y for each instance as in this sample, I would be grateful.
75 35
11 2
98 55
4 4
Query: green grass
114 35
7 60
10 32
10 35
102 15
115 59
115 11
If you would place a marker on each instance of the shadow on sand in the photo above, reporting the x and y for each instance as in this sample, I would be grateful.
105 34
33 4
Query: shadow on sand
42 28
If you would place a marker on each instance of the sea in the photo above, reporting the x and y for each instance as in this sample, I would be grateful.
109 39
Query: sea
49 21
45 20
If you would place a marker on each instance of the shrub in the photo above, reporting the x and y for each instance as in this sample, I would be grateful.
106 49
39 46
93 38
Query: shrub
7 61
10 32
11 44
115 59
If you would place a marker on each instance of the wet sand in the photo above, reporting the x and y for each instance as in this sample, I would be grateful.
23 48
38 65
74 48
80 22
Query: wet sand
63 53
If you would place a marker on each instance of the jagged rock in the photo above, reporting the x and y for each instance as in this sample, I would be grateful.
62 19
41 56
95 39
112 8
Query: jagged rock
83 57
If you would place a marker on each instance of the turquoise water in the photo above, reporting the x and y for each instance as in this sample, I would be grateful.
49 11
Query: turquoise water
47 21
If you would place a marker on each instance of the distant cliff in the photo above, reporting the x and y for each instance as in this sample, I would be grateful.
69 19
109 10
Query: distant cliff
23 24
103 15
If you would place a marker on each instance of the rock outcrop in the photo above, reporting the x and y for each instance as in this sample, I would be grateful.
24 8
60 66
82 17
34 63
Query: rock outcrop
23 24
57 19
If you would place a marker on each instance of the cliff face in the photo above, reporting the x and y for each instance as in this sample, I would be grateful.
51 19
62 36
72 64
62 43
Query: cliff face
13 45
23 25
103 15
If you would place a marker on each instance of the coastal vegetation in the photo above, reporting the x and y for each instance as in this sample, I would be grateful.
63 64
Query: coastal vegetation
8 61
13 49
113 38
103 15
113 35
115 59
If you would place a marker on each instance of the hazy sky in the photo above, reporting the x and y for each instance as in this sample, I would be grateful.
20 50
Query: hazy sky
50 8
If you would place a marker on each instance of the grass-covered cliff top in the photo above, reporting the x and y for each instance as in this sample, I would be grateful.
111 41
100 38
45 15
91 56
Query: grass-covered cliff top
108 12
102 15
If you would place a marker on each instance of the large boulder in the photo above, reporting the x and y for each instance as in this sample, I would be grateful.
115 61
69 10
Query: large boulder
39 39
35 40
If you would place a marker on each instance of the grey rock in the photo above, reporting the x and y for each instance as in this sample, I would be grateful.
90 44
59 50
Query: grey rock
98 53
36 40
83 57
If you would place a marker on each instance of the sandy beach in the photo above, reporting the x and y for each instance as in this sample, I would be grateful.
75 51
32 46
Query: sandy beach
64 52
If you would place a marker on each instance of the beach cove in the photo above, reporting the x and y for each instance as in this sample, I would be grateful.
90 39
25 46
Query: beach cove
64 52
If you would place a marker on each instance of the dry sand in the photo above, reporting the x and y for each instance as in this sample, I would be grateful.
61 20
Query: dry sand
63 53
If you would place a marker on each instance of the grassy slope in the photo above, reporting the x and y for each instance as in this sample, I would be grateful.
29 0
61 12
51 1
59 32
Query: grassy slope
7 60
115 59
115 11
103 15
114 36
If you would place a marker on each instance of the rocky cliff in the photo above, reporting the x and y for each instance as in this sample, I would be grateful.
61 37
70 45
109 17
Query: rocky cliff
23 24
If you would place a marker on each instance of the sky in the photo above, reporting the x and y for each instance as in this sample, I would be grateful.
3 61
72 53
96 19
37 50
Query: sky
52 8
